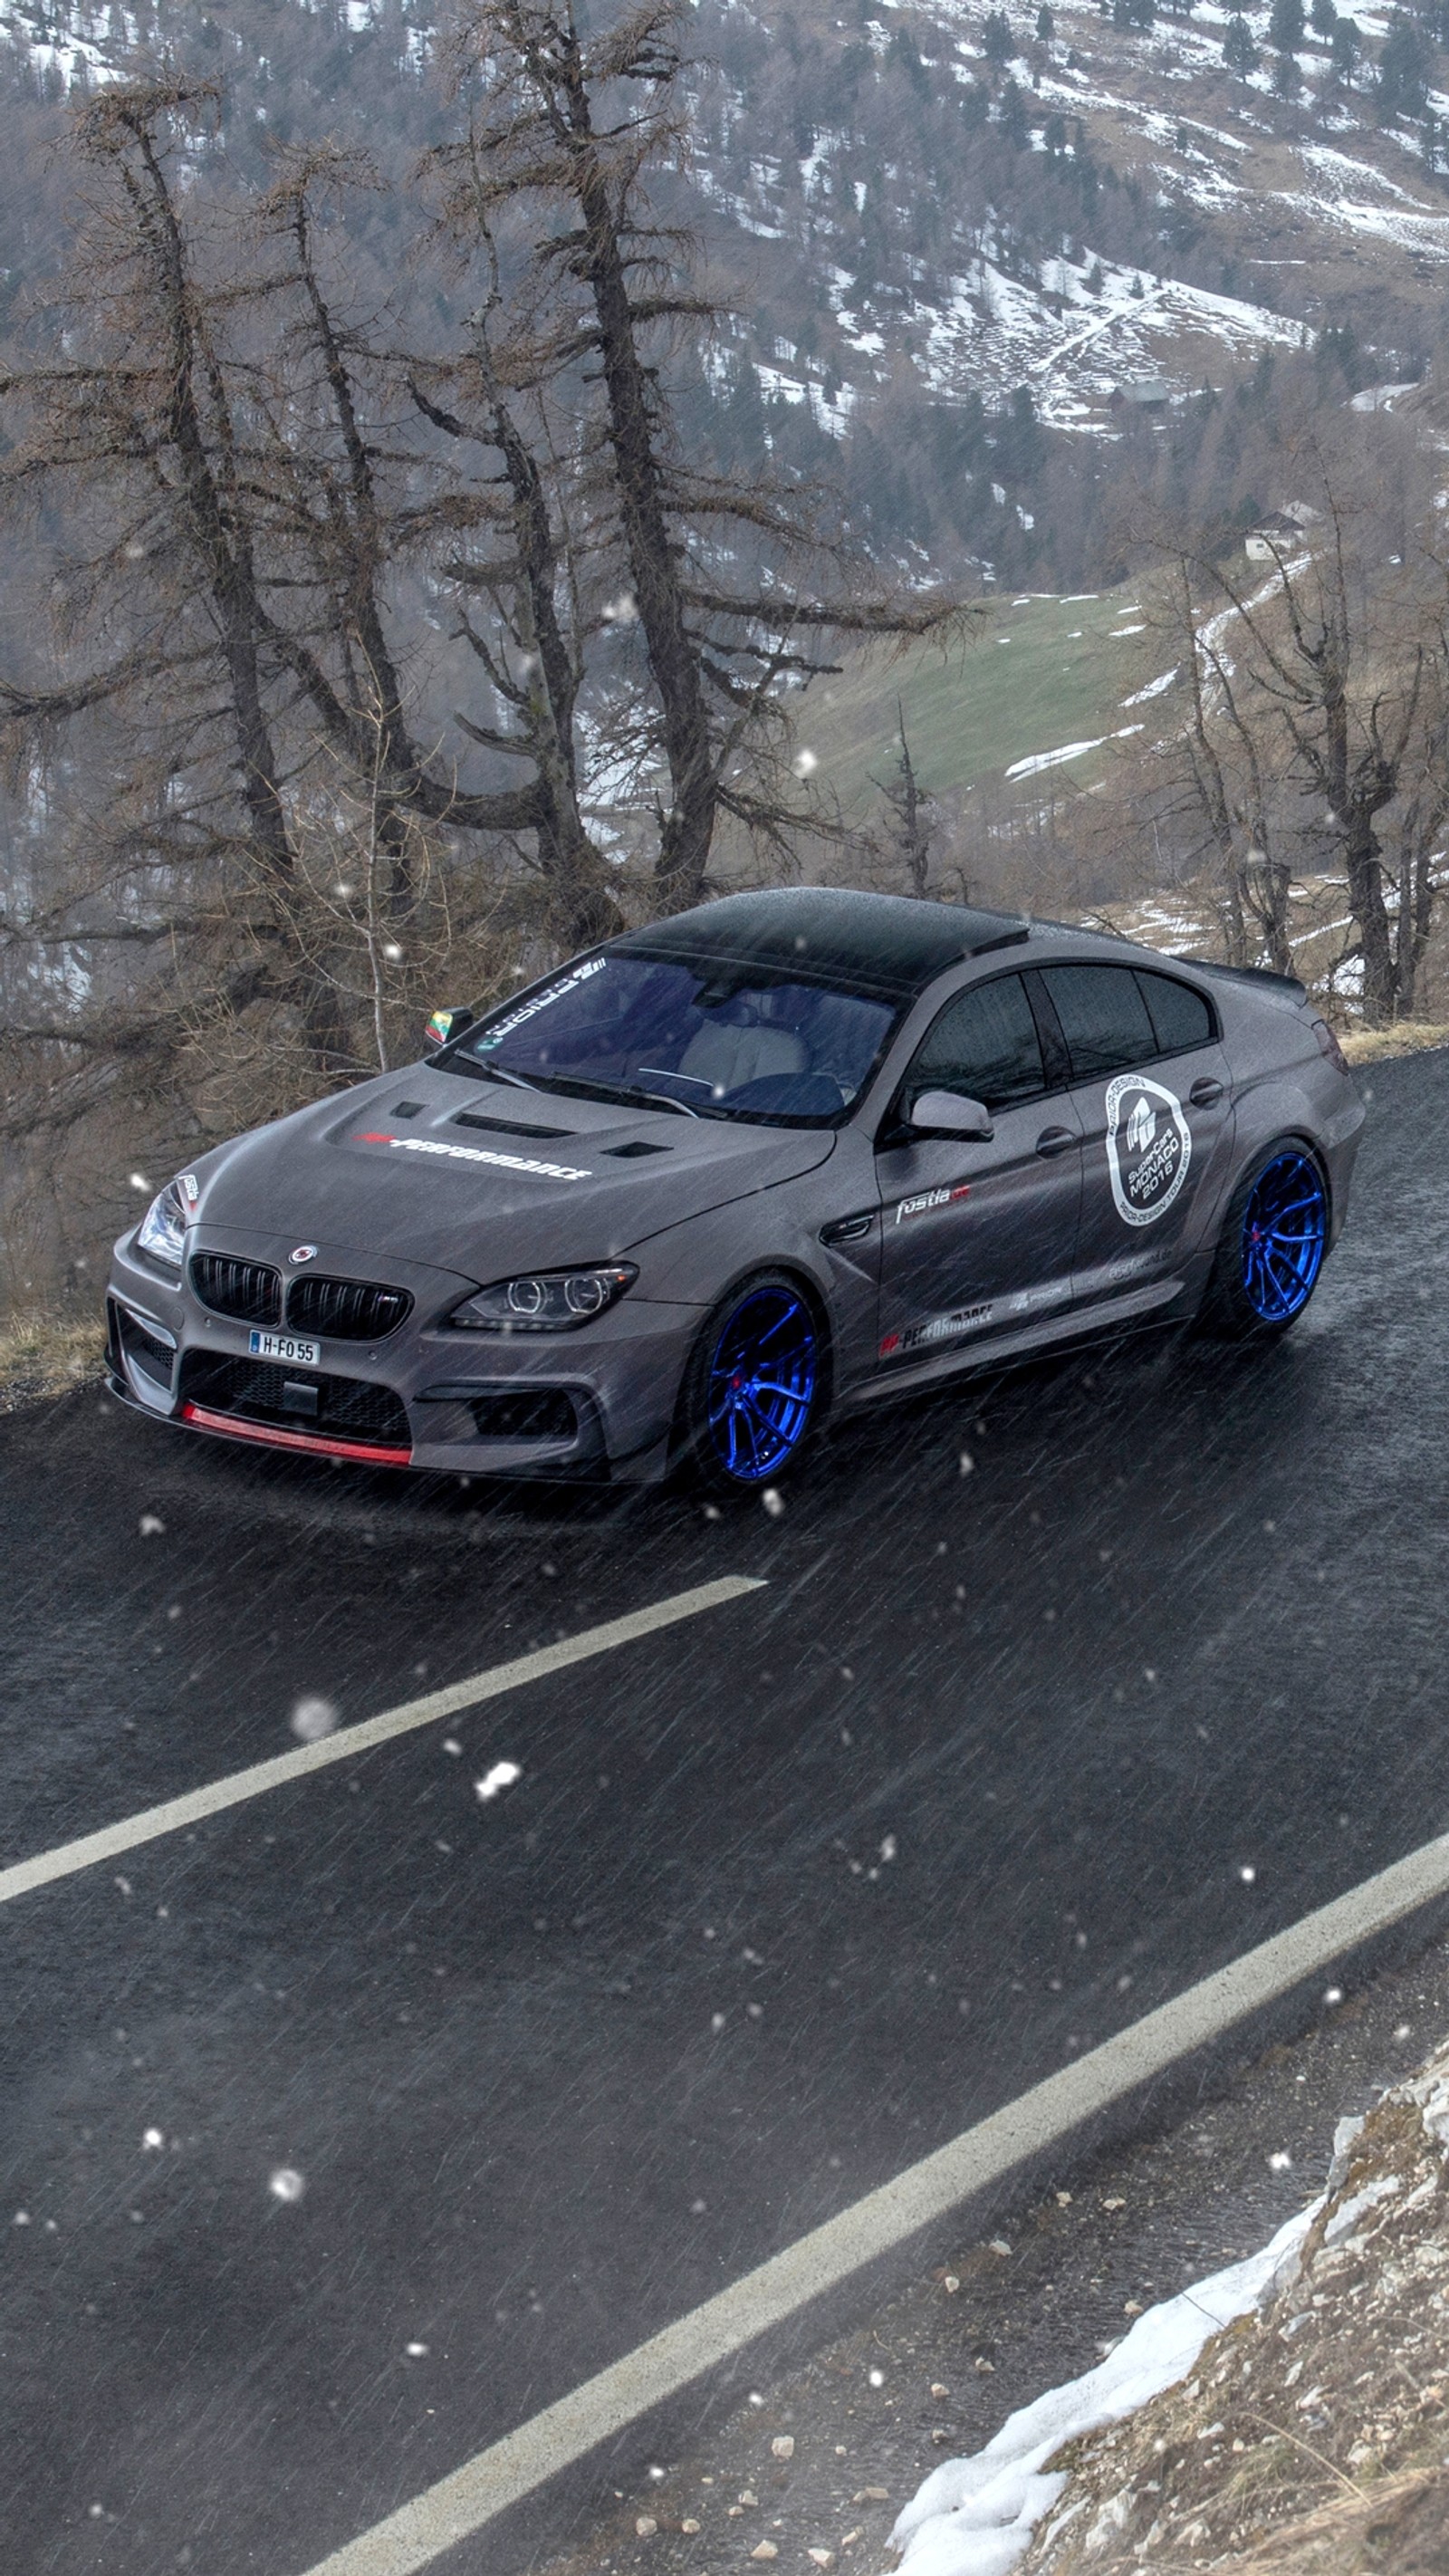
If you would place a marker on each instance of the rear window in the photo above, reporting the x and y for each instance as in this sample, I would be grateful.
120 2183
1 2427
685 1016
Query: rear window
1104 1018
1180 1016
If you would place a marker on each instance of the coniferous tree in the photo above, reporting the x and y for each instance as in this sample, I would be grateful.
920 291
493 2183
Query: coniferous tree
1405 66
1239 51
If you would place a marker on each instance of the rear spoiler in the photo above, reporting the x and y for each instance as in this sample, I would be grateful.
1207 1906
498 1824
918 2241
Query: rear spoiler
1287 984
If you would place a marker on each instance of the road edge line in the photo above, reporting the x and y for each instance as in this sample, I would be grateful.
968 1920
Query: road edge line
462 2504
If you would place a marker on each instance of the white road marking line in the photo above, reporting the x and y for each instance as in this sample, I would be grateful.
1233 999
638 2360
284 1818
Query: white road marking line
462 2504
351 1741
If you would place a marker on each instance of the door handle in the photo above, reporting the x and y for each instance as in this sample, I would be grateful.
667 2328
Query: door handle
847 1229
1056 1140
1205 1092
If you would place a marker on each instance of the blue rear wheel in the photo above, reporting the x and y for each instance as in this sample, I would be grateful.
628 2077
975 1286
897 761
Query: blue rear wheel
1272 1244
754 1386
1284 1231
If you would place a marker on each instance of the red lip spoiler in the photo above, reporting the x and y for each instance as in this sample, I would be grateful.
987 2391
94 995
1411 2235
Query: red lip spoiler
203 1420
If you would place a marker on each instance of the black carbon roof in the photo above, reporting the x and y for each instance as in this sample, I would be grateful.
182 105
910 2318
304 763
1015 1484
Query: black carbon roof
889 942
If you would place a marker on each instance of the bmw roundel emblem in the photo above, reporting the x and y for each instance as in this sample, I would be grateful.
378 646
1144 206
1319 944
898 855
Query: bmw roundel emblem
304 1252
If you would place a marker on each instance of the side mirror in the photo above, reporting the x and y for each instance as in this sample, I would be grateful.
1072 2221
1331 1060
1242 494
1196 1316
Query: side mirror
945 1113
445 1025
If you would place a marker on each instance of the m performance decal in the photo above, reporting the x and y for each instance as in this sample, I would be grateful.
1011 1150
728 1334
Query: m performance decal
1149 1147
475 1154
941 1328
931 1199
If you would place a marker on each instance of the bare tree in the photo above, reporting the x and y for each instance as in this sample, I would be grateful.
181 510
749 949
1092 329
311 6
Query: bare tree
566 135
1319 719
912 811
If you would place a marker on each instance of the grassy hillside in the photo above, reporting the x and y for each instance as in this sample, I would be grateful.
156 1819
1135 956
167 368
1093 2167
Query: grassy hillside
1036 675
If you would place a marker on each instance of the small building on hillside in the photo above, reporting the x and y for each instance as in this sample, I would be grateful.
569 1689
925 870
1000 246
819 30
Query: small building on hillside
1140 393
1279 532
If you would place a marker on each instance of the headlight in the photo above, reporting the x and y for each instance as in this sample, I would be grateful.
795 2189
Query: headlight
162 1231
545 1301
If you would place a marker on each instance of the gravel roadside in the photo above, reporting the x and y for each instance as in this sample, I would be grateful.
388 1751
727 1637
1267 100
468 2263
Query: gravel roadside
812 2470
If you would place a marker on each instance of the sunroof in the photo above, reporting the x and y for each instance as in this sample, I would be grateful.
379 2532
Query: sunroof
886 941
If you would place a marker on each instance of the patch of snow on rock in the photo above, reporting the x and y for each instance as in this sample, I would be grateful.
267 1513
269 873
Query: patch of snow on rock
975 2517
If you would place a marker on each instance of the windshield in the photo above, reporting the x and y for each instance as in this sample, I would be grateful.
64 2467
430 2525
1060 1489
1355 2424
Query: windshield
719 1041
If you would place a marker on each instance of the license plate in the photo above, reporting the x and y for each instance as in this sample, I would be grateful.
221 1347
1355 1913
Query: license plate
284 1346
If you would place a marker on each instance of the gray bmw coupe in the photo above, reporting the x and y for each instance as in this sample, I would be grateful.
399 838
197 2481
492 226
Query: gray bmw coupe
785 1156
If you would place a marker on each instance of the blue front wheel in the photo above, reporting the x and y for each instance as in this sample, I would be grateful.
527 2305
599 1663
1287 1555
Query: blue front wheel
753 1389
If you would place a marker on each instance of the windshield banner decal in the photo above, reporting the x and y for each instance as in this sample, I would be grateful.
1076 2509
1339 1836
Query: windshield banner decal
501 1029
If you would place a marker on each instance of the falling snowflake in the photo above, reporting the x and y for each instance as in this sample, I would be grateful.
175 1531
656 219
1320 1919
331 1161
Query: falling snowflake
502 1776
312 1718
286 2183
139 1181
774 1501
805 764
151 1525
1247 1873
152 2140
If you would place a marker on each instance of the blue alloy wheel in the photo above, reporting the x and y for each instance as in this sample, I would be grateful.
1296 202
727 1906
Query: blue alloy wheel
1285 1225
761 1381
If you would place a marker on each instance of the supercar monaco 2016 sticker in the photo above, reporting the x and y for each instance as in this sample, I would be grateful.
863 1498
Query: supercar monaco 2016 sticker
475 1154
1149 1147
928 1199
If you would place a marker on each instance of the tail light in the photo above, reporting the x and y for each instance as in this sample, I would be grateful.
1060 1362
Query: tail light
1328 1045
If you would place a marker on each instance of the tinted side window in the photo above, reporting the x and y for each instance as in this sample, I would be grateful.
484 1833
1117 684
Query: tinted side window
1179 1015
984 1046
1103 1016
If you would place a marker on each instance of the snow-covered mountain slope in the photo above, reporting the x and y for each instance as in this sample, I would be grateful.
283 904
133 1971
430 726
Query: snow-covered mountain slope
1006 218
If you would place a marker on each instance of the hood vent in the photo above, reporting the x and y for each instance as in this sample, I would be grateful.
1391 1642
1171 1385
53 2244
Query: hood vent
506 1126
637 1145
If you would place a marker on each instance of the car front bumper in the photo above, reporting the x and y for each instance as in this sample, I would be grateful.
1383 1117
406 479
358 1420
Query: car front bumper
599 1401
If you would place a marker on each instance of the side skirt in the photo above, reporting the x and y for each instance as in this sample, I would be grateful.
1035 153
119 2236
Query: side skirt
1076 1324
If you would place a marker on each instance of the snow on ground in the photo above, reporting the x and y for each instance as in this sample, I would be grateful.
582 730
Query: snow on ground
975 2517
1037 761
1154 689
1076 348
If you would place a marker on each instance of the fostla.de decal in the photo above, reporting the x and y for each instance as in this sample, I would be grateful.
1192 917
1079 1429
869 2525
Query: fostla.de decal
928 1199
1149 1147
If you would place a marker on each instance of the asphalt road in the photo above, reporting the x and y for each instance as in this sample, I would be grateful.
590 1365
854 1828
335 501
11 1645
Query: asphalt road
781 1899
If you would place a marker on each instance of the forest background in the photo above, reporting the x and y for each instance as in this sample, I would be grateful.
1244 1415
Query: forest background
474 480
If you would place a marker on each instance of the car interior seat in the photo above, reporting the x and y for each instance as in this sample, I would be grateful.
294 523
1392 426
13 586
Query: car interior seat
736 1046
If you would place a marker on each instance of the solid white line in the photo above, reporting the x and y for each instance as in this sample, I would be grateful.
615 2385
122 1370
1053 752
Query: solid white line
460 2505
350 1741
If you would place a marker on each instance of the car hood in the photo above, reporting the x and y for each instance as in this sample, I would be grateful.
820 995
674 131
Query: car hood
433 1167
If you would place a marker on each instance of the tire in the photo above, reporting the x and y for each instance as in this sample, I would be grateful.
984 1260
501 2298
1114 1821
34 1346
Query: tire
741 1431
1271 1248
